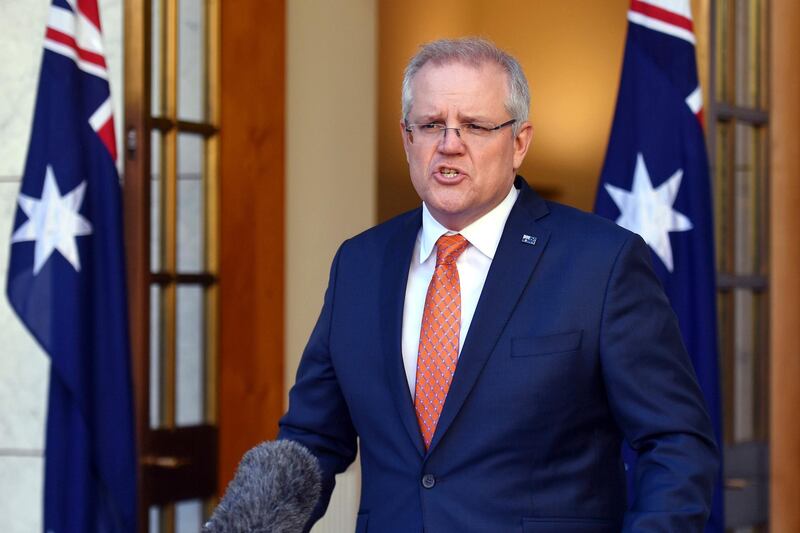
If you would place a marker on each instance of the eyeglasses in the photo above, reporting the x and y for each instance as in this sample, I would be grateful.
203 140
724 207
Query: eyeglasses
435 131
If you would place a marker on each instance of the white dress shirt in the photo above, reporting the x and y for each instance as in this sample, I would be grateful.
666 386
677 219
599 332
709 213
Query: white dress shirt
473 266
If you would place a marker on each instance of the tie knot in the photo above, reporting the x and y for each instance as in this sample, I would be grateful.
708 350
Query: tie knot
449 247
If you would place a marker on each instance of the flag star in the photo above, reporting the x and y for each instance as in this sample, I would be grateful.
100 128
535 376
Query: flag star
648 211
53 222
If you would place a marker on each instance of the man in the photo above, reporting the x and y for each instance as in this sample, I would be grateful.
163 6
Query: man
490 351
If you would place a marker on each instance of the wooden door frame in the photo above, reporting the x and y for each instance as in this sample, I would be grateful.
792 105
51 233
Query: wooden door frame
249 391
252 226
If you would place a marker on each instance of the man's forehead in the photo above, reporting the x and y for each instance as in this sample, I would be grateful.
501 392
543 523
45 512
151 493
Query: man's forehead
473 85
477 65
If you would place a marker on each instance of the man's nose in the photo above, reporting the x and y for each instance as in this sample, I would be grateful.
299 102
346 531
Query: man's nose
451 140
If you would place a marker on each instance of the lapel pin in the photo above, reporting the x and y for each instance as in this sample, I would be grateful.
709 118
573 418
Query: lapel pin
529 239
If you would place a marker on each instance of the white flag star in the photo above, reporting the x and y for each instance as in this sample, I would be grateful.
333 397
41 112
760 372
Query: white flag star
53 222
648 211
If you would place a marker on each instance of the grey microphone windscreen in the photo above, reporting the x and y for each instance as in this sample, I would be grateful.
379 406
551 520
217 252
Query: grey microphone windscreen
275 489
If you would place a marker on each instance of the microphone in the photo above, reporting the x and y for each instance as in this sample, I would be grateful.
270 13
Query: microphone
275 490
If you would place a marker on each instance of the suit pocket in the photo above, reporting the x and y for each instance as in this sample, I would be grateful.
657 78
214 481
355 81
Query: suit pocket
568 341
361 522
569 525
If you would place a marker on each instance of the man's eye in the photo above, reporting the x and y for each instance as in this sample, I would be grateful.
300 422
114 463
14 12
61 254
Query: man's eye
431 126
477 128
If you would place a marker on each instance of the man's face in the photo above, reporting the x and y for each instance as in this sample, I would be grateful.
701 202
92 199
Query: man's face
462 178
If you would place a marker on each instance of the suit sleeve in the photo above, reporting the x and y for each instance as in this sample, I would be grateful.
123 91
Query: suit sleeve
318 417
653 393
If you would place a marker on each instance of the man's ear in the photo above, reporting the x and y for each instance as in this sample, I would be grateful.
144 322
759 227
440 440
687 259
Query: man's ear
521 143
405 135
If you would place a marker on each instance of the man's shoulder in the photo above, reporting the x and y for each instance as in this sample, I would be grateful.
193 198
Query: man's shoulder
585 236
402 224
572 222
389 240
569 224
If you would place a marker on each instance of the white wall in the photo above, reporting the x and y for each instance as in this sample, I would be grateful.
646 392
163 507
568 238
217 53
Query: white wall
23 366
331 128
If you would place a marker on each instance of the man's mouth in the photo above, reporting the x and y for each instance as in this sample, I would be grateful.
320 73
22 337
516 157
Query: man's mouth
449 172
449 176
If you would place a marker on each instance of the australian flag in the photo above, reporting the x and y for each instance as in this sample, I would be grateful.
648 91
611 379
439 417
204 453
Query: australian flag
655 181
66 281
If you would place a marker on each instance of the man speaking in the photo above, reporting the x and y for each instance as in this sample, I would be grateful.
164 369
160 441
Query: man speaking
489 351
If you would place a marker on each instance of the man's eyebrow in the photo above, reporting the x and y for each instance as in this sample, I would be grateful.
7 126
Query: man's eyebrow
464 119
424 119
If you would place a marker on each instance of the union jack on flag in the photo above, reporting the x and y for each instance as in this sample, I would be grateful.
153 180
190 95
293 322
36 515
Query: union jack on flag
66 280
655 182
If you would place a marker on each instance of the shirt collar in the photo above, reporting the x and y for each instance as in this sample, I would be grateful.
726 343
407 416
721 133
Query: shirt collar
484 234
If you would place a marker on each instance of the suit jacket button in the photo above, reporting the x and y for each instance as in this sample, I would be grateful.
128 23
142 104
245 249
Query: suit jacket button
428 481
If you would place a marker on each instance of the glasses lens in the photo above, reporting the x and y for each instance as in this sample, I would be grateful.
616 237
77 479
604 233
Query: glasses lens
477 129
426 133
430 131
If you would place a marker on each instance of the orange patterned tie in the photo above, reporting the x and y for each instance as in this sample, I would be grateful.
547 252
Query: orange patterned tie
438 337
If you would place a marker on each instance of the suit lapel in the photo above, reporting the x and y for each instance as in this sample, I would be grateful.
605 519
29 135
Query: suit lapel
520 248
394 277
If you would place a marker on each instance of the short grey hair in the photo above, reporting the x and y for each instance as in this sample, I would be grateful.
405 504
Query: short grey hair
475 52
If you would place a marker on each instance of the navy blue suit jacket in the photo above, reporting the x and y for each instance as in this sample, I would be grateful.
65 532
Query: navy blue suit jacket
573 348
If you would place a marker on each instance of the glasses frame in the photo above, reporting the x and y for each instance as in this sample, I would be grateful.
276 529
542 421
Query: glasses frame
443 128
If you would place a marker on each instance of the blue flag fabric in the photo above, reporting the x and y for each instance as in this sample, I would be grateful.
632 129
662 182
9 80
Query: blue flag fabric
66 281
655 182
